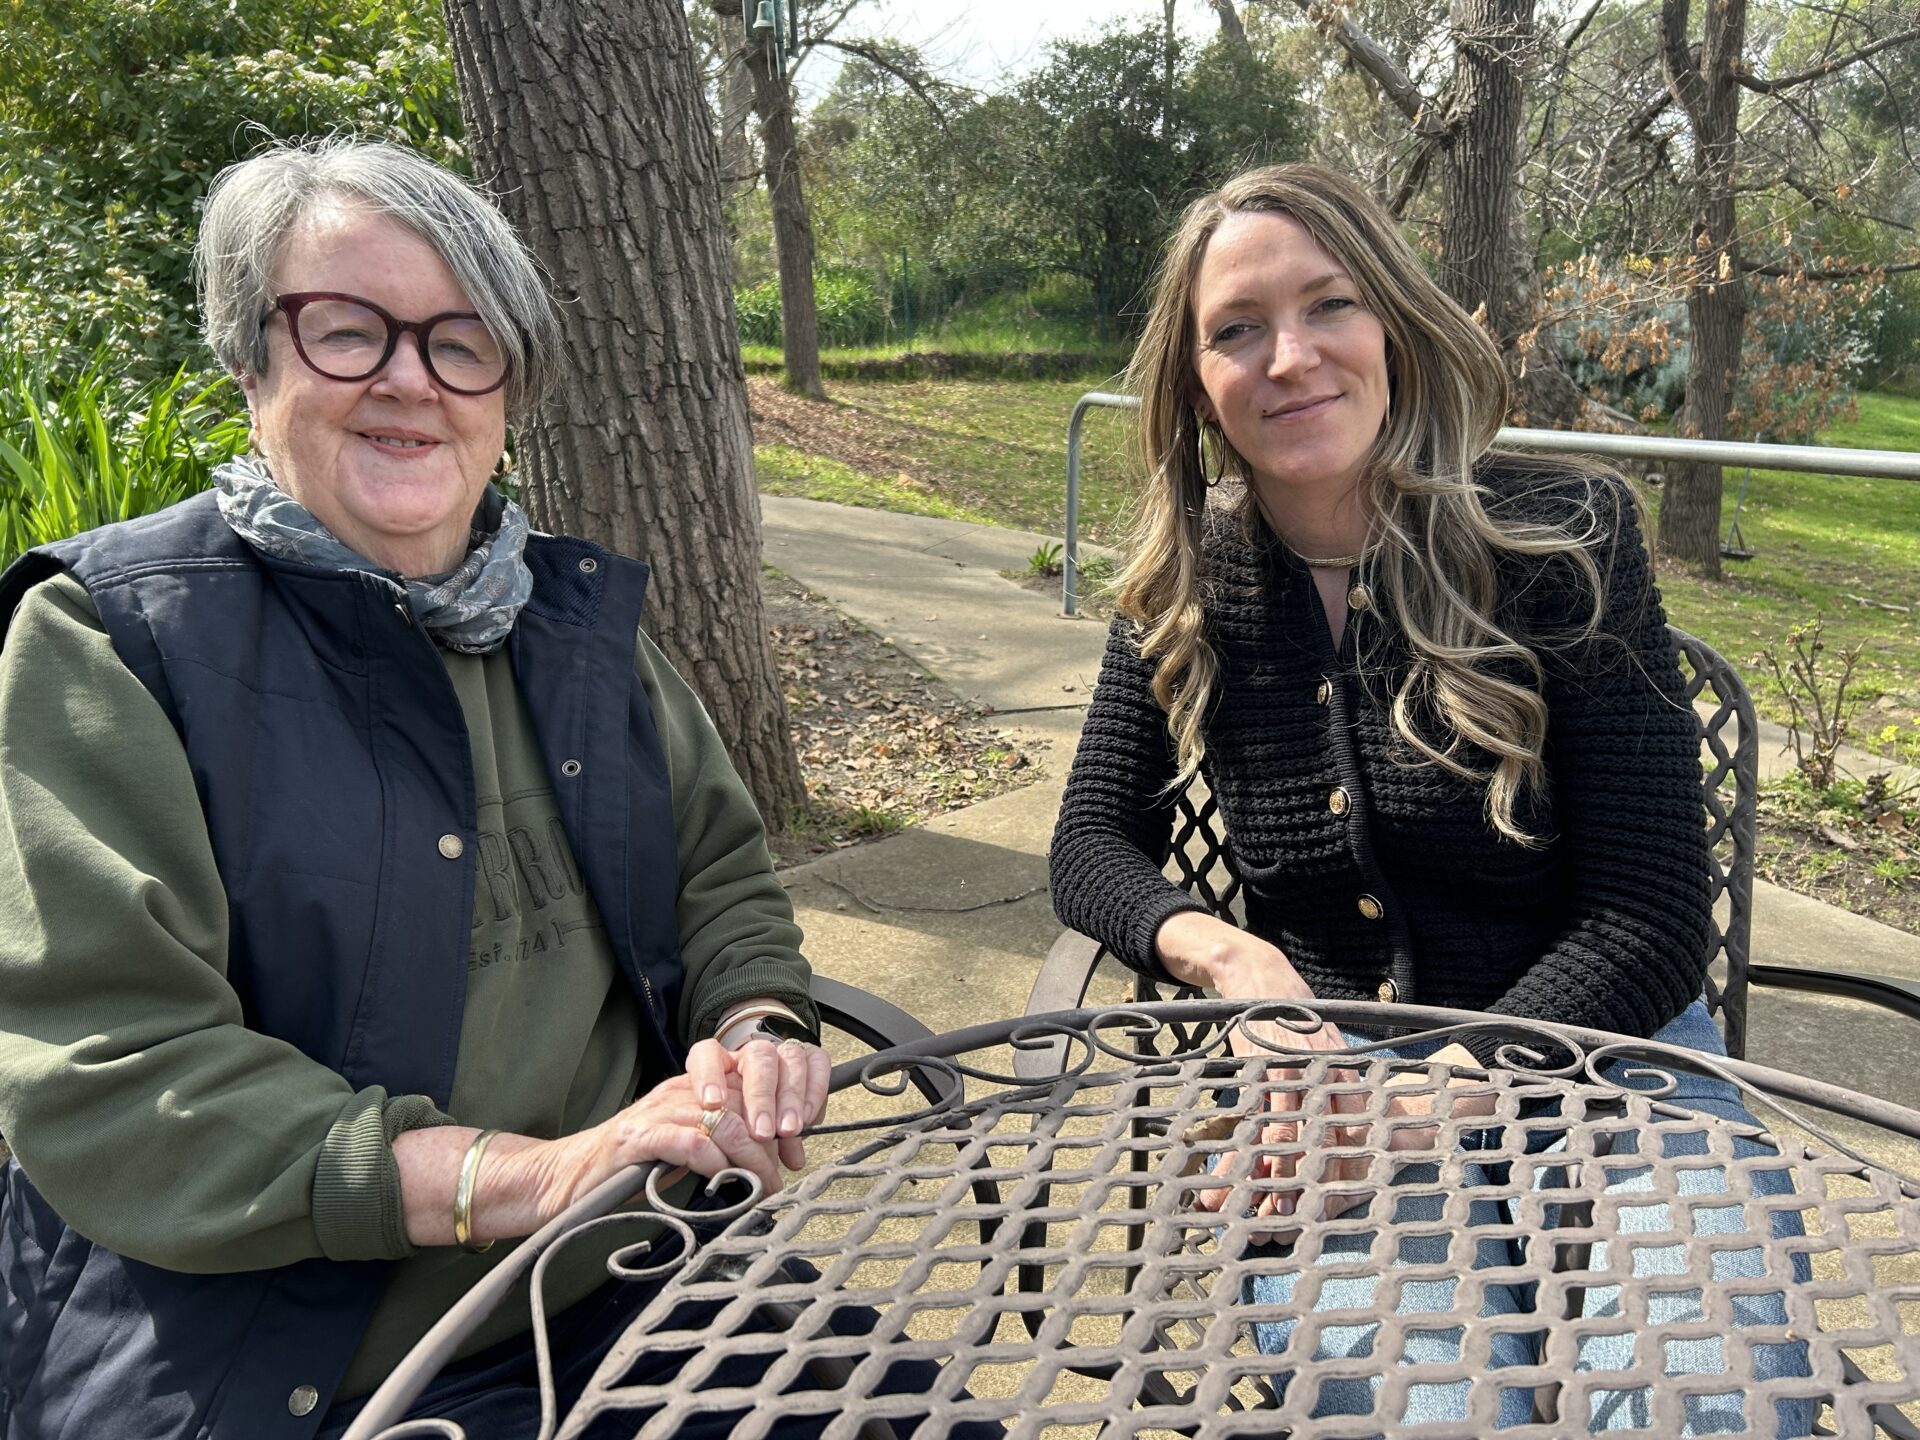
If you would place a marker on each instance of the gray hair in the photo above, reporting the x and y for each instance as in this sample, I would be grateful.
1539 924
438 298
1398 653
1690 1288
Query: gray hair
255 204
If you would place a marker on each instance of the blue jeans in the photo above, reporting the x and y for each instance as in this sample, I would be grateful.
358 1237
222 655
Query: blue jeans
1611 1410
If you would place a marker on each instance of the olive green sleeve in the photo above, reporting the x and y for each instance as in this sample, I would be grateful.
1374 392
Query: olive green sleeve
131 1090
738 939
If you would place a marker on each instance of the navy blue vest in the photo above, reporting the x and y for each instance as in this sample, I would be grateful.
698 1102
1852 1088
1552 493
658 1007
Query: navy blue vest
333 762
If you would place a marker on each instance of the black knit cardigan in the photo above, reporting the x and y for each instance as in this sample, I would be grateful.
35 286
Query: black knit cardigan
1363 867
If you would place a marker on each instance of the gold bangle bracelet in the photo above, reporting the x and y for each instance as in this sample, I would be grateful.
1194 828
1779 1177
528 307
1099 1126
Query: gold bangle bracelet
463 1195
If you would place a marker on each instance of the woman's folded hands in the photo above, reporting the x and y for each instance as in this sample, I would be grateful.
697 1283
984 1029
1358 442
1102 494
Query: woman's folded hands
1288 1159
1201 949
742 1109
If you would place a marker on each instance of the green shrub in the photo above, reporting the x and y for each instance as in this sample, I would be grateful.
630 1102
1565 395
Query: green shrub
115 117
757 310
79 452
846 301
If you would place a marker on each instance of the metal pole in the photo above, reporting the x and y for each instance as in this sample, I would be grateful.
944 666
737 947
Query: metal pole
1070 562
1811 459
1808 459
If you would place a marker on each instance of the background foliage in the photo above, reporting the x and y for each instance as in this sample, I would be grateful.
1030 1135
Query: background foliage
85 450
115 117
1077 170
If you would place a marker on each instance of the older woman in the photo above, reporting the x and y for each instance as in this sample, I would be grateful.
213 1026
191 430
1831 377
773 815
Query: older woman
371 887
1428 683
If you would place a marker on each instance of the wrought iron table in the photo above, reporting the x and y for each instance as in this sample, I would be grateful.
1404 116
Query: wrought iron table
1039 1237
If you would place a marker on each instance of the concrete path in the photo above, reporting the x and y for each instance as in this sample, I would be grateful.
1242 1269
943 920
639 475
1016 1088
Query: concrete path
951 920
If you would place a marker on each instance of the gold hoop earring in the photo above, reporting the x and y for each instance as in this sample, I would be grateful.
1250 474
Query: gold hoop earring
1219 453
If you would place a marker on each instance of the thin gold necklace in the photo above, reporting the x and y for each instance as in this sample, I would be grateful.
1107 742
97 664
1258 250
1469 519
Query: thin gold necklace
1332 562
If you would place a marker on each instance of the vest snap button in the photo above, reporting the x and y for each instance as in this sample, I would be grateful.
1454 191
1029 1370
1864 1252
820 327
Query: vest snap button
302 1400
569 768
1370 907
452 846
588 565
406 615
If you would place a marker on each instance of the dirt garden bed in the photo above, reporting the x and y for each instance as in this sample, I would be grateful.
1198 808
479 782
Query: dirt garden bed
882 744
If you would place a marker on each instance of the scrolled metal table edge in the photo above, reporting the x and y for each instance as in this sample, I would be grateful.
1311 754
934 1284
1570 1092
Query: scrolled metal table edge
1528 1048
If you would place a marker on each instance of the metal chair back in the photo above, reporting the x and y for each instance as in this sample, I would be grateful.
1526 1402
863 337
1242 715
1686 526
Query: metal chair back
1730 786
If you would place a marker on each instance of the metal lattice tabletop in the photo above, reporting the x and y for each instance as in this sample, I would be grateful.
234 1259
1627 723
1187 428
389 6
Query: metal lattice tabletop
1562 1239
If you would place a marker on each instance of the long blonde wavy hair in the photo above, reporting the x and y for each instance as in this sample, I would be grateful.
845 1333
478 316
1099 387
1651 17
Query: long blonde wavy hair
1433 539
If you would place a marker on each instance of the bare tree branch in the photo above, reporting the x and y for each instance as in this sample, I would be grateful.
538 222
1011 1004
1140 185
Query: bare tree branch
1230 26
1367 52
914 78
1579 26
1826 67
1843 272
1817 198
1681 62
1416 175
1636 126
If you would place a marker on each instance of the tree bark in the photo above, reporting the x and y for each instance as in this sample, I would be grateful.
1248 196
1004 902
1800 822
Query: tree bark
1168 41
792 227
737 171
1230 26
1704 83
588 123
1485 259
1481 158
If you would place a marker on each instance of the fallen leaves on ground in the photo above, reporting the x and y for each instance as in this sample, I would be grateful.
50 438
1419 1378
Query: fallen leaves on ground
882 745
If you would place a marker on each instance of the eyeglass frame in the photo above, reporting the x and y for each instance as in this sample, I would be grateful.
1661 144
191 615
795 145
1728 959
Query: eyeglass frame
294 301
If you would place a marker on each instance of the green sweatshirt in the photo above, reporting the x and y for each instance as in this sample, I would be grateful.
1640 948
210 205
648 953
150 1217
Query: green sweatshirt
158 1125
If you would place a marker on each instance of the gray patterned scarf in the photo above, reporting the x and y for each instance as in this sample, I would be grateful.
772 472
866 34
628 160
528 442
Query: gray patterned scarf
469 610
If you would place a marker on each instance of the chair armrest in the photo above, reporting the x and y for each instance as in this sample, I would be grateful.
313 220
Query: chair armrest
882 1025
864 1015
1062 984
1901 996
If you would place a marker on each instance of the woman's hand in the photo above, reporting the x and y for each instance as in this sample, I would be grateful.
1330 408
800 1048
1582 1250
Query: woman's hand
1285 1129
1422 1137
782 1084
1201 949
522 1182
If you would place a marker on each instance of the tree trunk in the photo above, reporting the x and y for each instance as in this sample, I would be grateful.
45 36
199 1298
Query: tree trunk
792 229
1230 26
1168 41
588 123
1704 85
1490 39
737 172
1544 393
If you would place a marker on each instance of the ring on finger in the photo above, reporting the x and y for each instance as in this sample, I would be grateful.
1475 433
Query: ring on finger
710 1121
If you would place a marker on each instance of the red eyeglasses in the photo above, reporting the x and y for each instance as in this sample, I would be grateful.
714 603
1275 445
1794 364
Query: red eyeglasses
345 337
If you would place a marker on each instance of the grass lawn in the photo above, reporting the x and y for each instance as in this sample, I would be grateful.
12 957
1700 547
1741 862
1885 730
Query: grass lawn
1820 541
996 451
999 448
786 470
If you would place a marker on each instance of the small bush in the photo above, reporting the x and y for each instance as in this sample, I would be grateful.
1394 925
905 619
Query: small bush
848 307
757 311
1819 710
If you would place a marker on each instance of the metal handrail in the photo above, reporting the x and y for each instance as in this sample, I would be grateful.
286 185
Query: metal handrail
1807 459
1070 564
